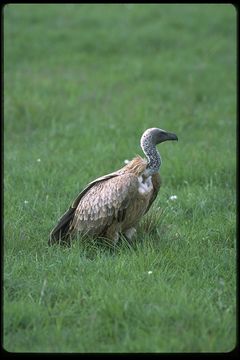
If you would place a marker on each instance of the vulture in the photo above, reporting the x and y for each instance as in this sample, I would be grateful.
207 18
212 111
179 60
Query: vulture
114 203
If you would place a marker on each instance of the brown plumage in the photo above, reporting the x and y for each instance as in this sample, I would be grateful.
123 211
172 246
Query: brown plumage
114 203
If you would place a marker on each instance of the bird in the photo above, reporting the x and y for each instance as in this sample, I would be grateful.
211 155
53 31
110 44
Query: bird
113 204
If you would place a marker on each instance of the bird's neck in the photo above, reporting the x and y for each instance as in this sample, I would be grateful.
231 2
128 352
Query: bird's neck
153 156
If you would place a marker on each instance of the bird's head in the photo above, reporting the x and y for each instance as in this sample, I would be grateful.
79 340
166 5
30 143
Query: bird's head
157 136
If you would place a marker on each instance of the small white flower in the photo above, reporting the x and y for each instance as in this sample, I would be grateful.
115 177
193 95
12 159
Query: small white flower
25 201
173 197
38 160
126 161
149 272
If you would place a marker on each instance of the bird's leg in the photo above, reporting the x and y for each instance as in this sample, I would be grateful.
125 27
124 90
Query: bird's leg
115 238
130 233
112 233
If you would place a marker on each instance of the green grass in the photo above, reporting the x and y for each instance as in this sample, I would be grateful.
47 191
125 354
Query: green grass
81 84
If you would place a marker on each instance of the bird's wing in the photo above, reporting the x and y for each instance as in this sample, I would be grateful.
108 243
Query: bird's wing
92 191
105 202
156 181
62 227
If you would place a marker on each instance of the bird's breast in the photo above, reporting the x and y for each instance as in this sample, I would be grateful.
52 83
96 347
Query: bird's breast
145 186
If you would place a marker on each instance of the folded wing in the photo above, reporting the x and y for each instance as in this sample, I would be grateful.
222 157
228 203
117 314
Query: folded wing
96 207
104 203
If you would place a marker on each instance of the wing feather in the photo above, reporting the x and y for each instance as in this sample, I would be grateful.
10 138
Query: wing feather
105 202
61 230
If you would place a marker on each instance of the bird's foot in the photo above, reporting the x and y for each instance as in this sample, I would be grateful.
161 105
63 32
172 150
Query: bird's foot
130 233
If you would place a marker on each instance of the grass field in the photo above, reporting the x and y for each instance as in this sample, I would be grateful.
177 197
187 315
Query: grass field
81 84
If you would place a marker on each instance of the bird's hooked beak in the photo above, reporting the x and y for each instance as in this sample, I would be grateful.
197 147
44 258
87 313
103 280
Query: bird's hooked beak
172 136
167 136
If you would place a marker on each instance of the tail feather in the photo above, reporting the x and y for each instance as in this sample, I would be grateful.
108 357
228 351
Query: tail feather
61 232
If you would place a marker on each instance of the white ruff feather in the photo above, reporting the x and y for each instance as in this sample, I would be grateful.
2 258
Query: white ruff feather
145 187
